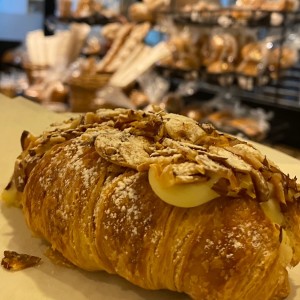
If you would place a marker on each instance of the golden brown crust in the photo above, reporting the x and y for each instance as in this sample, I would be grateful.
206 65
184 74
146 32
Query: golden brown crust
97 208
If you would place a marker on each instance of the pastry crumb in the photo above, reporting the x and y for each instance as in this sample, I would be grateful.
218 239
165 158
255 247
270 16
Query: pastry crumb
14 261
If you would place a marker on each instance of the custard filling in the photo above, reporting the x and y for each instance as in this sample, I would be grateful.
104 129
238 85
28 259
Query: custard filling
181 195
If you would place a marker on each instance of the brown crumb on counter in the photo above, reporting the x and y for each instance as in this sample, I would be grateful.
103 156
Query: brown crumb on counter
14 261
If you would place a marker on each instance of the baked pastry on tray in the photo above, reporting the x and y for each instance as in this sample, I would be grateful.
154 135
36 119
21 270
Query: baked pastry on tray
162 201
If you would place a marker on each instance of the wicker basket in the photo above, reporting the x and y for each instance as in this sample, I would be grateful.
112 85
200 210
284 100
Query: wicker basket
83 91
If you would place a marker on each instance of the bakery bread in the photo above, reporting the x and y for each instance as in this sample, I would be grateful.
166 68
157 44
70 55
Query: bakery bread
136 36
250 4
139 12
162 201
280 5
222 46
283 57
117 44
220 67
110 31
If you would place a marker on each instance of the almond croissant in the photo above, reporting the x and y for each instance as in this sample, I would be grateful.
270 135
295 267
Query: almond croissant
164 202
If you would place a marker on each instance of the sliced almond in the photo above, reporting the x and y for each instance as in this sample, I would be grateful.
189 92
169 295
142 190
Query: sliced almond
181 128
121 147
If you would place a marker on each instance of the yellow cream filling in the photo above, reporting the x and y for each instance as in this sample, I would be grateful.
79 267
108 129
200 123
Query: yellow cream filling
285 249
181 195
194 194
272 210
11 196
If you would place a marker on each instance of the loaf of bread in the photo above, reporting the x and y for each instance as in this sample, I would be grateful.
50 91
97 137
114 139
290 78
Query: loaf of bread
117 44
162 201
135 37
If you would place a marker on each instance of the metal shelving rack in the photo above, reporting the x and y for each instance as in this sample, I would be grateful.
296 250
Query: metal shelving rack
284 91
281 95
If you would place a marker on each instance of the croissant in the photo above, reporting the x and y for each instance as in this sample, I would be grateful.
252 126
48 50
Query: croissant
162 201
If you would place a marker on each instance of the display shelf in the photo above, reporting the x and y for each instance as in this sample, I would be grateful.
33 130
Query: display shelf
232 17
283 92
94 19
280 89
284 126
281 97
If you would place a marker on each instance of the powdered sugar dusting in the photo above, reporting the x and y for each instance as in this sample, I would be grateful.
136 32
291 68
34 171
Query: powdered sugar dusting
126 214
76 163
234 240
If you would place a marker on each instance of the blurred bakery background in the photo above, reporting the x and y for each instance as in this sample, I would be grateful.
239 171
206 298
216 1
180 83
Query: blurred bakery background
232 63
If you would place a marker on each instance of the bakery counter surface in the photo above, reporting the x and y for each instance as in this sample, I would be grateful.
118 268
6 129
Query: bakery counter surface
294 152
50 281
